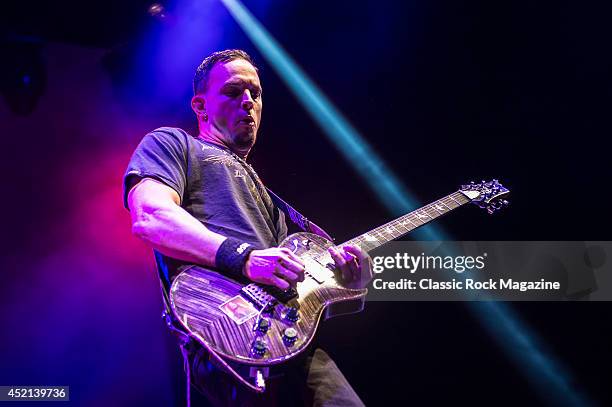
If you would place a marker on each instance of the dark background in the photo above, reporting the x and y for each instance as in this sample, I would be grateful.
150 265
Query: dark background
446 92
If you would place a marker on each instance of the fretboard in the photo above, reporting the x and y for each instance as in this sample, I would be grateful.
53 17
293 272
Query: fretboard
407 223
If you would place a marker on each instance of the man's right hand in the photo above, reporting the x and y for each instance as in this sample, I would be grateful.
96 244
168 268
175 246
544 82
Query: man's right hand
276 266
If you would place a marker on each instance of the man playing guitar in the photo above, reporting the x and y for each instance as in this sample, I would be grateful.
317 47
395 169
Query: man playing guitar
195 200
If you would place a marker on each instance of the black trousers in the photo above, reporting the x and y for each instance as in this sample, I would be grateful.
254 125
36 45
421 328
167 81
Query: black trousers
314 380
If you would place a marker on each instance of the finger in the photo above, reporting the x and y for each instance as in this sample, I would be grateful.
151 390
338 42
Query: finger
301 273
355 251
351 259
341 263
293 256
279 282
292 265
337 257
351 264
286 274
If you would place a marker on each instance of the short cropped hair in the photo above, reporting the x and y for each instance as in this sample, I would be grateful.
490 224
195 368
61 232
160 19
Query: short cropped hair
200 79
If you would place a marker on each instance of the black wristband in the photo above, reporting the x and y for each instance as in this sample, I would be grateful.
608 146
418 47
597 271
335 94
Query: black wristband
232 255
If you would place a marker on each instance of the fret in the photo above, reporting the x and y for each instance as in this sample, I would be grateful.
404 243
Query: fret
403 222
442 201
399 228
448 203
428 211
372 245
392 227
421 216
367 246
436 213
383 237
364 242
451 197
402 225
464 198
415 220
439 207
413 224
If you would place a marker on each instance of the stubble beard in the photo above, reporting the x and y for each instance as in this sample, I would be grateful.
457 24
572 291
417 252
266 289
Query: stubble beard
244 141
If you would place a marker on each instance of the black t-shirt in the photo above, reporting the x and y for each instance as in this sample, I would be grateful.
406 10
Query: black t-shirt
214 185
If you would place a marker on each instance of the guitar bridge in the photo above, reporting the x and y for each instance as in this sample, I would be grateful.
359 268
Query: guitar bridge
266 296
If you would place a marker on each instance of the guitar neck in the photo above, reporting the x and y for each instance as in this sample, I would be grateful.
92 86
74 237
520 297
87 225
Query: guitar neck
407 223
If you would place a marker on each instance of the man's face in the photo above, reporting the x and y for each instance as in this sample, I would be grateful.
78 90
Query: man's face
233 103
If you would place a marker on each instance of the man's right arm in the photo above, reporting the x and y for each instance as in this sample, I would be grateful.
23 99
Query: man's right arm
159 220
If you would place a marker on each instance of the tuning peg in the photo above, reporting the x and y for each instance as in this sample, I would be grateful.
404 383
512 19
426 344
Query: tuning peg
497 205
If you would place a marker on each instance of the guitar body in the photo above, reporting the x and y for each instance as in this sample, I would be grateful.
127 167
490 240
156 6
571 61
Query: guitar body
198 295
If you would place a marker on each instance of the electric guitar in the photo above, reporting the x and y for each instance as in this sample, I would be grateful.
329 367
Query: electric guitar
249 324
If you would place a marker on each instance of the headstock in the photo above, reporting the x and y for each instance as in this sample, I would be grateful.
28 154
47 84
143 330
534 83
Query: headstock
486 194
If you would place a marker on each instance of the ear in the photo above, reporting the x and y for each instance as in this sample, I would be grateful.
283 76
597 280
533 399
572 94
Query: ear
198 105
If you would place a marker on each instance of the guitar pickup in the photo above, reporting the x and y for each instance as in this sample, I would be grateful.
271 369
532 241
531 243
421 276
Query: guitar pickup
283 296
258 296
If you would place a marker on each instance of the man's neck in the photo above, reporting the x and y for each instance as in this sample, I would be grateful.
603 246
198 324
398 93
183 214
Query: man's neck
211 138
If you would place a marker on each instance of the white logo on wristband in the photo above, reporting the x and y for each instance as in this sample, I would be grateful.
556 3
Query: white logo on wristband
240 249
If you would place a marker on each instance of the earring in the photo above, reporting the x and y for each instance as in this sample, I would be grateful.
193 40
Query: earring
205 116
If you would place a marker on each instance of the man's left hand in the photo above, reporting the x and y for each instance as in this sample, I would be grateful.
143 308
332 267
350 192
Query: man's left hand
354 265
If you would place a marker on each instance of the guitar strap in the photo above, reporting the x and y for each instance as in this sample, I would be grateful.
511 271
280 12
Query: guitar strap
296 217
